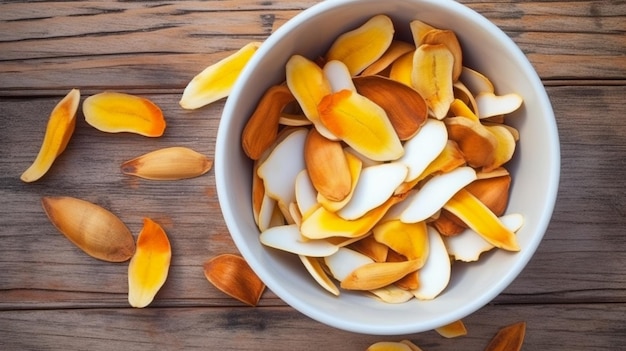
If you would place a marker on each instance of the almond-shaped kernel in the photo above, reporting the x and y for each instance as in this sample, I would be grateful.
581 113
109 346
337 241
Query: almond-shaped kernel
217 80
327 166
114 112
362 46
59 130
232 275
172 163
476 143
95 230
375 186
355 165
261 130
509 338
149 266
435 274
406 109
378 274
432 77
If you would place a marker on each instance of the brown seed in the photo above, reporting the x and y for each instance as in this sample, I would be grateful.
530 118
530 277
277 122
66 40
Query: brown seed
406 109
262 128
327 166
509 338
232 275
172 163
95 230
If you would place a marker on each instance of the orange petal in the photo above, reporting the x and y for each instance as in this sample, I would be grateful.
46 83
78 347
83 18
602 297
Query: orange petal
149 266
452 330
59 130
232 275
113 112
509 338
217 80
361 124
480 219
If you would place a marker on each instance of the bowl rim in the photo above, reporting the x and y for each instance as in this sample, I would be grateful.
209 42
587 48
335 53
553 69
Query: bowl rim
287 296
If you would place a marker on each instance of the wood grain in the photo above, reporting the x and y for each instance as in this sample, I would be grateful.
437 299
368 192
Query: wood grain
53 296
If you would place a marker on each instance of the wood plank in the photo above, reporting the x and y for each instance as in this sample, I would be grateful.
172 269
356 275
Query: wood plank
570 265
549 327
102 44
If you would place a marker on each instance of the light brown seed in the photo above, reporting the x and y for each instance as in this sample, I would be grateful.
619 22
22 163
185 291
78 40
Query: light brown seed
509 338
172 163
327 166
232 275
95 230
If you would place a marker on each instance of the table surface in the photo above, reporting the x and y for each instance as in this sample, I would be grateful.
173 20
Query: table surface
572 295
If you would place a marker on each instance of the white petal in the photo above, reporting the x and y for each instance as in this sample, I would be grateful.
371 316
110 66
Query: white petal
306 195
490 105
424 147
435 193
375 186
288 238
345 261
338 76
435 274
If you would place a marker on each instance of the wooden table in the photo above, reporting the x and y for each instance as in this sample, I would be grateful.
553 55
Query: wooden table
53 296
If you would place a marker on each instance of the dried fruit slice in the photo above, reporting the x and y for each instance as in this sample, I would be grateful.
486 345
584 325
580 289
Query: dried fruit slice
404 345
217 80
361 124
279 176
59 130
468 245
172 163
323 224
458 108
405 108
261 130
476 82
314 267
449 39
308 84
419 29
149 266
490 105
392 294
395 50
306 196
362 46
432 196
452 330
344 261
288 238
114 112
95 230
327 166
407 239
375 186
378 274
432 77
371 248
509 338
423 148
232 275
476 142
435 274
505 147
480 219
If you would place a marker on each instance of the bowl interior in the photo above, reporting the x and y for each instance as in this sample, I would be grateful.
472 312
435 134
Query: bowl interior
535 168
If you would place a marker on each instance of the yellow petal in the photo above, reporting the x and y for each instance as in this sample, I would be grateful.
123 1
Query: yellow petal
217 80
402 68
397 49
113 112
321 223
378 274
408 239
481 220
505 146
59 130
361 124
309 85
148 269
362 46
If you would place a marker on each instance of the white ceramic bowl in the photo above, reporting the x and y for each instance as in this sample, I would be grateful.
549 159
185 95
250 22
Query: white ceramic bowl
535 168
